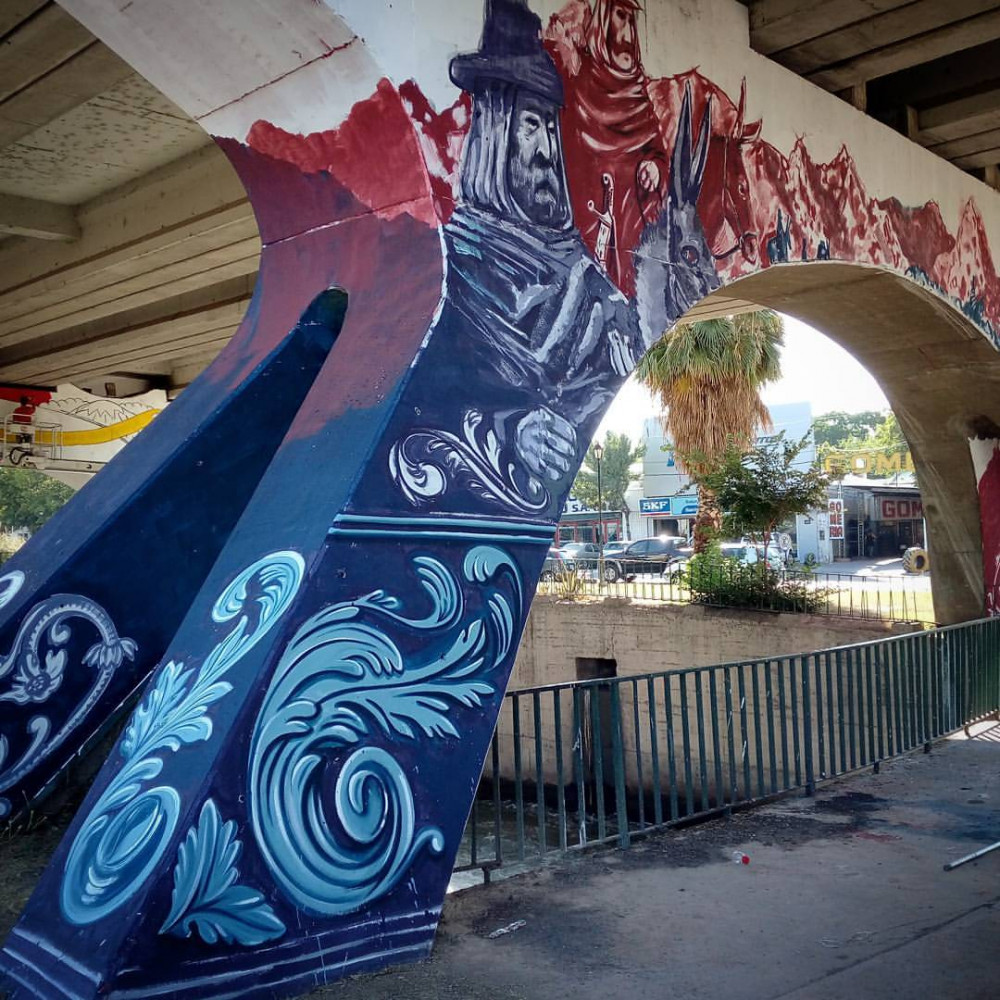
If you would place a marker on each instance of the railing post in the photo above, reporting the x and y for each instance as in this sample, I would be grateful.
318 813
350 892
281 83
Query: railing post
807 724
618 752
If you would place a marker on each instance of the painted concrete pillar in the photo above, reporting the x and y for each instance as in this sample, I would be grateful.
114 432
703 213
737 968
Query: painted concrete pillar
986 459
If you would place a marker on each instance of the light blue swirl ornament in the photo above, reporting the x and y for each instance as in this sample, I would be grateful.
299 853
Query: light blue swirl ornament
342 681
130 826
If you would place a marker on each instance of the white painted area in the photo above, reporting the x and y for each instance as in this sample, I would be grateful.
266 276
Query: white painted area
982 452
416 39
208 55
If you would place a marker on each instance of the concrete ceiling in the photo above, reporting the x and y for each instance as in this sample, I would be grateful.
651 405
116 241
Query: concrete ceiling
928 68
127 247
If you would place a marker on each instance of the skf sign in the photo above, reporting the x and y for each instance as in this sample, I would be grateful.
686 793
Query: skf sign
900 509
862 462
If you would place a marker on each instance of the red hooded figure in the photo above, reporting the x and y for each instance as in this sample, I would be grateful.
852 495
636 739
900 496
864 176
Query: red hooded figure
614 155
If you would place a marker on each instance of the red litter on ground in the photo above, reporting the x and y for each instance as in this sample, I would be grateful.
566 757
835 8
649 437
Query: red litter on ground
740 858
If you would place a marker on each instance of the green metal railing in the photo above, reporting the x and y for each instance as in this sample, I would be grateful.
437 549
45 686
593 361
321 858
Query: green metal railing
732 585
603 761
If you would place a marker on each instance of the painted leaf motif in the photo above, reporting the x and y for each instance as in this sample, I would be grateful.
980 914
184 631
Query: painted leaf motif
206 897
170 688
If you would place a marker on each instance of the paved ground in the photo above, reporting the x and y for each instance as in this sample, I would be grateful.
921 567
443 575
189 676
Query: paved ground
845 896
880 566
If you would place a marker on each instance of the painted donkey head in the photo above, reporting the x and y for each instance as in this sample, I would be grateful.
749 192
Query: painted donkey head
675 267
726 206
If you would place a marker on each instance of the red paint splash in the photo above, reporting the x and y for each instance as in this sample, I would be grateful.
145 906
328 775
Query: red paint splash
374 154
14 394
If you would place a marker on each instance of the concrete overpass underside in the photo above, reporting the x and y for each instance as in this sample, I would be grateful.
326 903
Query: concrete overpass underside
131 249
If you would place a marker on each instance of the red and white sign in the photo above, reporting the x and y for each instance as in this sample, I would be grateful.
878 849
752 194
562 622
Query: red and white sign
835 508
899 508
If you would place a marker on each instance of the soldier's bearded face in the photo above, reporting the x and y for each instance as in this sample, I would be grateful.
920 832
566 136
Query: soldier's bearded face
621 43
534 166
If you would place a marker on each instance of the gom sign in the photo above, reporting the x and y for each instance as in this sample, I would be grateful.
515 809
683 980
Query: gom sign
864 462
899 508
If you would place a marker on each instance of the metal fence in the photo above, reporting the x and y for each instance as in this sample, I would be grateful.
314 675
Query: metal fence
874 598
603 761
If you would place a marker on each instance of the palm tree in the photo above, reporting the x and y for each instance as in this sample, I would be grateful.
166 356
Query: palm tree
708 376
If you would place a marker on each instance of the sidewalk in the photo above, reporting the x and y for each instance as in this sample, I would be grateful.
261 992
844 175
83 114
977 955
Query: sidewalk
844 896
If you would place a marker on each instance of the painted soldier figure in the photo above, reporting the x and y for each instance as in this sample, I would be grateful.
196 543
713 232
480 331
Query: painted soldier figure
525 302
614 147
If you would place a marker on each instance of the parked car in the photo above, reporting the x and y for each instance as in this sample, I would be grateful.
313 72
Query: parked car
615 549
749 554
648 555
580 555
553 566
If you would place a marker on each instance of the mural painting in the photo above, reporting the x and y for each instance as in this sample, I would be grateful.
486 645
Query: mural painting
286 801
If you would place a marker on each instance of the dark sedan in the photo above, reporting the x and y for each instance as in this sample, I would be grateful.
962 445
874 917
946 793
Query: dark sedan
648 555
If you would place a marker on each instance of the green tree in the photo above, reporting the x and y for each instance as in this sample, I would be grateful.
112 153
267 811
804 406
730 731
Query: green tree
29 498
616 475
834 428
761 488
708 376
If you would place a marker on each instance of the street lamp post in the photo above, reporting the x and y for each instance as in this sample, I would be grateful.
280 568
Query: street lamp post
598 455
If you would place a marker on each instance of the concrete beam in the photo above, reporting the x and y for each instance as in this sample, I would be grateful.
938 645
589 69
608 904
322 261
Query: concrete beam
40 220
13 12
37 46
878 31
969 144
779 24
84 76
957 119
910 52
184 322
982 158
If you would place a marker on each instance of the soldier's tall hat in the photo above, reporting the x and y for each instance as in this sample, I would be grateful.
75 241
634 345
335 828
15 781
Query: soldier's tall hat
510 52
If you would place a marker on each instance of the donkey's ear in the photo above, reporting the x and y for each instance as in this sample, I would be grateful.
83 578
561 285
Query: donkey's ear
680 164
700 157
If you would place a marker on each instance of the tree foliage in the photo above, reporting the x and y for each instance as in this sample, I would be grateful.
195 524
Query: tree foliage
616 474
835 428
708 376
29 498
759 489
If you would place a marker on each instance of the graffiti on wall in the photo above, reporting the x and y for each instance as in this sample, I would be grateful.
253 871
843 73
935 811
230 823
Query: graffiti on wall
296 814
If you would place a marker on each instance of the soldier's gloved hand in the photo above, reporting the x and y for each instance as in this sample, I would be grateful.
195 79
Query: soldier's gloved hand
648 176
545 443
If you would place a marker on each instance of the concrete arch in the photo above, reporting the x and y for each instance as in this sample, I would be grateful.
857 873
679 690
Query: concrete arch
939 373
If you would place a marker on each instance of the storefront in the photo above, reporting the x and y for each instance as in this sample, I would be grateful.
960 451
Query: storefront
897 524
583 526
673 515
880 520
